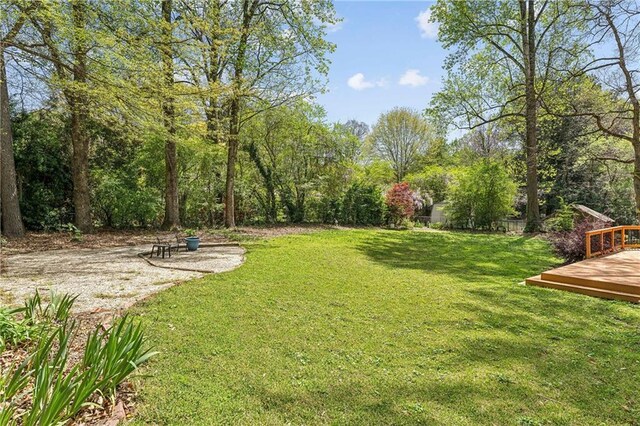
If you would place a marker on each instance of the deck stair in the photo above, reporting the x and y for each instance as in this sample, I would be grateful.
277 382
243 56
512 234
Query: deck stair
616 276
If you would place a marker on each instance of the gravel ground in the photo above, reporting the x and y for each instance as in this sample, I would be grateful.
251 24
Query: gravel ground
107 279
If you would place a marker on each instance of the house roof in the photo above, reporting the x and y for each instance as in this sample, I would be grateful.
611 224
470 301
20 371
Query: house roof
587 211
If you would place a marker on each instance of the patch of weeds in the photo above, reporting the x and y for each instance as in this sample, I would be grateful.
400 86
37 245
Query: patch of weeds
14 331
74 233
105 296
503 379
22 325
413 408
528 421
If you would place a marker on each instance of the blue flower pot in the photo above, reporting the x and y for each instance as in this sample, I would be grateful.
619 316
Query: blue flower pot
192 243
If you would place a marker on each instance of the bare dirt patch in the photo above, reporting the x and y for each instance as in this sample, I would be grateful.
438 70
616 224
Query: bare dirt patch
44 241
106 279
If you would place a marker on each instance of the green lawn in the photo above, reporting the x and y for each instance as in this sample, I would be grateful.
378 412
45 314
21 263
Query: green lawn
384 327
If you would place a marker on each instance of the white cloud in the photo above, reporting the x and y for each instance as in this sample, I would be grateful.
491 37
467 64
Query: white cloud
413 78
427 29
358 82
332 28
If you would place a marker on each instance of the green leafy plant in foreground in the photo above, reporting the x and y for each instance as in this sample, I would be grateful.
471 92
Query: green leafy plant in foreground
115 353
58 390
13 331
57 310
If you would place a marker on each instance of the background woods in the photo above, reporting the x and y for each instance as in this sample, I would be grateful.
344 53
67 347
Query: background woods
172 113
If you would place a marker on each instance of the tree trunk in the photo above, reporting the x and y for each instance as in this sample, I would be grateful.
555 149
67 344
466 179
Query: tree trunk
232 155
78 105
636 177
171 206
12 225
248 9
80 168
631 90
212 60
531 116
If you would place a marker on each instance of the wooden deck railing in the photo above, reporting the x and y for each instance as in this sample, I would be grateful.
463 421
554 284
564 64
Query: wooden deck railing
610 240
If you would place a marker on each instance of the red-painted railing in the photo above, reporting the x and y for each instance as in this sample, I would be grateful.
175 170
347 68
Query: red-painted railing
610 240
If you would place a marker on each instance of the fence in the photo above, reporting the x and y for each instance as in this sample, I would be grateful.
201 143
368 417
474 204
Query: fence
511 225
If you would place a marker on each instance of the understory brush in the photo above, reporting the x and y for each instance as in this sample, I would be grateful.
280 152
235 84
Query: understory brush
572 245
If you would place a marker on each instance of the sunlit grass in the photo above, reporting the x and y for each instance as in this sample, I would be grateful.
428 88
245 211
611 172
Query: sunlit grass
384 327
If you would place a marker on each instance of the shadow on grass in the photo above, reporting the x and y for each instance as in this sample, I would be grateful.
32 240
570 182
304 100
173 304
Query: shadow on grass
463 255
488 352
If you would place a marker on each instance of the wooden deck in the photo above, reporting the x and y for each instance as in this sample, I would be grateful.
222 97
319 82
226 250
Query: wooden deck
616 276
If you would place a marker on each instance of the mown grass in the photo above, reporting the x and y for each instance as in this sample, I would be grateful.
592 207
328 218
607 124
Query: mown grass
384 327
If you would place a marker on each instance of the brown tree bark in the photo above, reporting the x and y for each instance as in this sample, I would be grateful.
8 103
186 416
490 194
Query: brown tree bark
528 23
248 9
12 225
171 204
623 43
232 155
213 72
635 105
78 105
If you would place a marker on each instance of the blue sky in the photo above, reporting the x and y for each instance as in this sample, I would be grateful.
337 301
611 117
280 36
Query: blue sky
385 57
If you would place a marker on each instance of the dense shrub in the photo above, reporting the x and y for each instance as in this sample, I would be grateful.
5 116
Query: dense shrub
572 245
481 195
400 201
362 205
329 209
43 166
120 203
433 180
562 220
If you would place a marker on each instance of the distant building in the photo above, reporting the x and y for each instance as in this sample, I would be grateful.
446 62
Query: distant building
437 213
584 212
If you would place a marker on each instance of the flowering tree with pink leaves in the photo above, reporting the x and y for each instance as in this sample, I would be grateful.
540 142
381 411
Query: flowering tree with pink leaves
400 203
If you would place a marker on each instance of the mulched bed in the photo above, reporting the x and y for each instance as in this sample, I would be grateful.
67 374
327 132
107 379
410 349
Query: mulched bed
42 241
103 411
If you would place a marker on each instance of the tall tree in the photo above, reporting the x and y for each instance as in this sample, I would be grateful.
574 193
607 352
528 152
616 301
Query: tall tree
79 107
359 129
615 32
503 67
12 225
279 55
296 156
211 27
171 207
400 137
60 35
249 8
